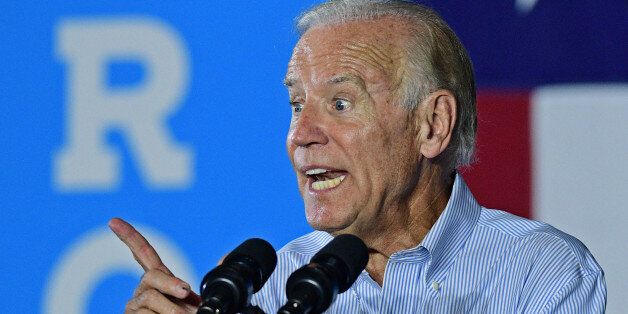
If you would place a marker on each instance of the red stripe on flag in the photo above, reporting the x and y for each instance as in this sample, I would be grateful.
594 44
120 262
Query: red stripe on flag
501 176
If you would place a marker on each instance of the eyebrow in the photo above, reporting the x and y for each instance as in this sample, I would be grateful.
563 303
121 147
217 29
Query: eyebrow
289 81
347 77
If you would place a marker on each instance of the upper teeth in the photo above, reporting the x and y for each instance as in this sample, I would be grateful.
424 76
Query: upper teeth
315 171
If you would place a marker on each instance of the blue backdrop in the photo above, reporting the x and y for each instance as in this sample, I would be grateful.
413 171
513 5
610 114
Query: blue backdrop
230 116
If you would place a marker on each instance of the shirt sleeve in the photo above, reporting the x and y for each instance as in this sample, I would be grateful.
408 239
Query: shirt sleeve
585 294
563 277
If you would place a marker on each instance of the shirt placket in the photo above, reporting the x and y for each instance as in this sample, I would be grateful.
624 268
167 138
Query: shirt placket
403 287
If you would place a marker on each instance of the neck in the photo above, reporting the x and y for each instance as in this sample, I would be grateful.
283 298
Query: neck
405 225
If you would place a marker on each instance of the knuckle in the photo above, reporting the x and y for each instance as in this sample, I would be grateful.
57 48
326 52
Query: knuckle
145 297
143 285
143 278
176 310
146 250
139 290
151 294
149 277
130 306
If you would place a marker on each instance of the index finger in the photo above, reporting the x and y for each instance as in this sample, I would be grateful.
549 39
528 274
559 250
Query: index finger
143 252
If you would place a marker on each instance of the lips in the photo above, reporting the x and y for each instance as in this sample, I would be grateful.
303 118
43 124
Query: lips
320 179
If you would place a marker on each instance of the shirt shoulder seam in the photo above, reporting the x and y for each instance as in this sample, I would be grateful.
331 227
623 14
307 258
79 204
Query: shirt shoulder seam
562 289
544 230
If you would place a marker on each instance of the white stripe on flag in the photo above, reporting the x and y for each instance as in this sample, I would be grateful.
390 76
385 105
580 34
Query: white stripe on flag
580 172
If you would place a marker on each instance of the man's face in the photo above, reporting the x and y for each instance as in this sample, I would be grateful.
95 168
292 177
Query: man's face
350 142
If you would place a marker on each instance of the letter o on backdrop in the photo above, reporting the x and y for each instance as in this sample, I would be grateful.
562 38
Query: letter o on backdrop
95 256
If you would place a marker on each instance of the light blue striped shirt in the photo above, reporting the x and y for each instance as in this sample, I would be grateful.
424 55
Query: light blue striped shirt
473 260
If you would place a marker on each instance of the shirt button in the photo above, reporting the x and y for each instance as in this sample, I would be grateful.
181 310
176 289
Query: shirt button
435 285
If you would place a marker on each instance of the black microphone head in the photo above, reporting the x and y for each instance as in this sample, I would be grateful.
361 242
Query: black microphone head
350 251
228 287
262 253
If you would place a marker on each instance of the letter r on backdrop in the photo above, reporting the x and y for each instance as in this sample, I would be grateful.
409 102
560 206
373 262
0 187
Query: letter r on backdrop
139 113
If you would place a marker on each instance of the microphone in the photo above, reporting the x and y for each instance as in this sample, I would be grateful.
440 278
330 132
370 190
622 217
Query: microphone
313 287
228 287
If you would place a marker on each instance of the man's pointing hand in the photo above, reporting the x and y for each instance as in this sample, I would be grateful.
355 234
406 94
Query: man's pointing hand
159 290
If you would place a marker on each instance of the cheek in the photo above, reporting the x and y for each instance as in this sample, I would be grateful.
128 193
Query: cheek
384 155
290 151
367 150
290 147
374 145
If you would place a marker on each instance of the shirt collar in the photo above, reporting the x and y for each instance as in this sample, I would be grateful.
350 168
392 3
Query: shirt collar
451 230
446 237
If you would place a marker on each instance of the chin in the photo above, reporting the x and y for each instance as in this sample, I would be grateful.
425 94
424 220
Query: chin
326 219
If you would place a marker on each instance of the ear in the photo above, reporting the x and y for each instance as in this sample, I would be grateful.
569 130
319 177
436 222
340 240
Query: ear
436 120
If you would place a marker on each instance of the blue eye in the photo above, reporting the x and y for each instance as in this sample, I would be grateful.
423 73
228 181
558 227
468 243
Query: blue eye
296 107
341 104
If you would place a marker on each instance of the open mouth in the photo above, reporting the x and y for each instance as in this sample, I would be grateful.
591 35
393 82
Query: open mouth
324 179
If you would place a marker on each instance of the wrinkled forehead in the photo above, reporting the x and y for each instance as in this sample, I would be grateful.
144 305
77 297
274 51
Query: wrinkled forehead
373 50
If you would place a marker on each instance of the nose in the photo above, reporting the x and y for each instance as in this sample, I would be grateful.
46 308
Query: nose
308 128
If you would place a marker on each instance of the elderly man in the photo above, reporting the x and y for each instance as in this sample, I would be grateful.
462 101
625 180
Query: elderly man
383 111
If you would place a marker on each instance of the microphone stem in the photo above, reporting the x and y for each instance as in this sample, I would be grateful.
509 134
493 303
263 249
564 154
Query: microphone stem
302 302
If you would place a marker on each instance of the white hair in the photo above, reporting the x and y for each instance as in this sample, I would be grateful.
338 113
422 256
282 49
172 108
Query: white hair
436 60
